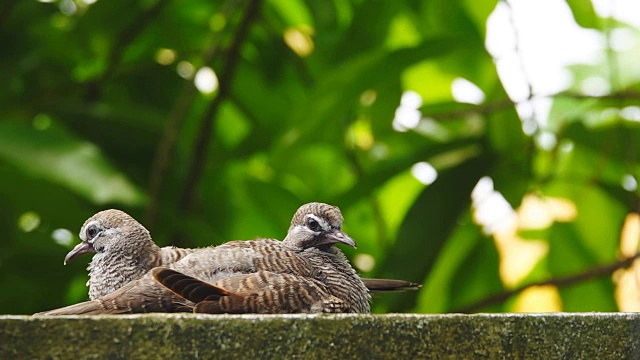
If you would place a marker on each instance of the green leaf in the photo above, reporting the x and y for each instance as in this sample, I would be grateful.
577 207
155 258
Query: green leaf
59 157
340 90
396 197
437 293
477 277
429 224
294 12
568 255
479 12
599 219
584 13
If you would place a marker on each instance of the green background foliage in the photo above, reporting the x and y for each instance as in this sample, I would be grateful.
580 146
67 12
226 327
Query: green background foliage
93 117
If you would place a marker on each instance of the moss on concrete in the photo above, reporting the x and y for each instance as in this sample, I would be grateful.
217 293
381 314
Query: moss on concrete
153 336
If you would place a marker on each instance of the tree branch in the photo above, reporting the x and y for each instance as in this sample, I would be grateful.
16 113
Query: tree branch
173 121
559 282
205 134
503 104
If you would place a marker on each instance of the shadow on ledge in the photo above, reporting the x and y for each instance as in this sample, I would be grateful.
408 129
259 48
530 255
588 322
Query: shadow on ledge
394 336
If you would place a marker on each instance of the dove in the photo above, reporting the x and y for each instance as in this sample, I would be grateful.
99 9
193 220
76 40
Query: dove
123 251
307 253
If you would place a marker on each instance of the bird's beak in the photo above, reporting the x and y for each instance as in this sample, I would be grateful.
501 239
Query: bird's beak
80 249
336 236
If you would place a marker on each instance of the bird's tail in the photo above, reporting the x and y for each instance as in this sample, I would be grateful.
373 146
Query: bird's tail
389 285
93 307
140 296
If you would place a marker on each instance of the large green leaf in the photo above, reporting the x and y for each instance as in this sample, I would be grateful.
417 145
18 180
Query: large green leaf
442 286
477 277
429 224
597 234
584 13
59 157
568 255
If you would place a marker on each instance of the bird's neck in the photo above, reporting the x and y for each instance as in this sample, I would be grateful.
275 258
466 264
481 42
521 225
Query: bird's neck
109 271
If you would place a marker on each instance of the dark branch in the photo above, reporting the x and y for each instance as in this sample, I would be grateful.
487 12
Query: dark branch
503 104
205 134
559 282
164 151
173 122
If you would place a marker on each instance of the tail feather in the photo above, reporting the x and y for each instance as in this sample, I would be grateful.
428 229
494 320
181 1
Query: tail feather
93 307
389 285
188 287
140 296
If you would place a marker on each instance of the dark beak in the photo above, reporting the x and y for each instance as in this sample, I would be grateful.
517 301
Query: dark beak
80 249
336 236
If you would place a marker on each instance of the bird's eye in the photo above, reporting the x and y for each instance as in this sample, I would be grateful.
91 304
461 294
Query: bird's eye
313 224
92 231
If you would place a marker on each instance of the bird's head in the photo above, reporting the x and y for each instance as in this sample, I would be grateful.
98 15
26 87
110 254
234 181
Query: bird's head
111 231
317 225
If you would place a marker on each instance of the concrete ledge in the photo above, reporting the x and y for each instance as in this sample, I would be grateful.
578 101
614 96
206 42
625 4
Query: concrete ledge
395 336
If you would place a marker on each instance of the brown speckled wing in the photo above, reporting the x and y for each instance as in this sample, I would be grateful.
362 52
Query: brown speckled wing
260 292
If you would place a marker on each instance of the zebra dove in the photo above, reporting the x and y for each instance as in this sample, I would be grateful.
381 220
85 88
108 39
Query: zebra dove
124 251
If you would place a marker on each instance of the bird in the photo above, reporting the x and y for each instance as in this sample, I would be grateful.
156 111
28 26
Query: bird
306 252
123 251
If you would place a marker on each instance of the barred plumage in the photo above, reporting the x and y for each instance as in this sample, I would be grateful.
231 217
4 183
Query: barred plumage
306 256
302 273
260 292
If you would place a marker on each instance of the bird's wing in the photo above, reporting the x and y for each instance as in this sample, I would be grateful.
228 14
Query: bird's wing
260 292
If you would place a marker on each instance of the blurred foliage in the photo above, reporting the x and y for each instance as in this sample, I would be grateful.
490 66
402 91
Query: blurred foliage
100 109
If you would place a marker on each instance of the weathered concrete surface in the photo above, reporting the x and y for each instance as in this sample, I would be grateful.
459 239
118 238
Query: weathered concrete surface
186 336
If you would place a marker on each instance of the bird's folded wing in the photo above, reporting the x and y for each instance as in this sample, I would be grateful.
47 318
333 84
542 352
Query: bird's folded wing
259 292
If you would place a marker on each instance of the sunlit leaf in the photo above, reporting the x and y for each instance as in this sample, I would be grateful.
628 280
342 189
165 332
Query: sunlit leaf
294 12
584 13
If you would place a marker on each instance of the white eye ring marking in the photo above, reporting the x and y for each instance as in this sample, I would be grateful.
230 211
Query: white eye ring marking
84 231
324 225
